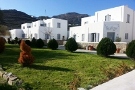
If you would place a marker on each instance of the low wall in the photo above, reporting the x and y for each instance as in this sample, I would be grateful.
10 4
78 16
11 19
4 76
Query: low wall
121 45
60 42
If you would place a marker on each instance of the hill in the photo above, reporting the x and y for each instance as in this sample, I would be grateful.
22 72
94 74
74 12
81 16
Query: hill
72 17
13 18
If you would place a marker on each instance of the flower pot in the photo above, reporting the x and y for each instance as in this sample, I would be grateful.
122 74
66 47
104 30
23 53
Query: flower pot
90 47
118 50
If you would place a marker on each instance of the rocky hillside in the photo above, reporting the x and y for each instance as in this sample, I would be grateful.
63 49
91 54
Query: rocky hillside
13 18
72 17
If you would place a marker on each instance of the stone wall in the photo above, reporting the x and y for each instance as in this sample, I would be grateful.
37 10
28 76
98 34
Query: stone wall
121 45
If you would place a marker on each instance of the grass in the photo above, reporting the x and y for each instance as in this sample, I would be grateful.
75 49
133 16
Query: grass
55 69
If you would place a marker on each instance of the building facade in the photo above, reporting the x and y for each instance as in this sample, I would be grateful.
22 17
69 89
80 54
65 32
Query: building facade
44 29
112 23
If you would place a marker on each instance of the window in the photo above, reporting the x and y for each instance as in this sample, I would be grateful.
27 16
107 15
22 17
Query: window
46 36
58 36
83 37
74 36
126 35
128 18
23 27
28 26
108 17
42 24
86 22
58 25
23 35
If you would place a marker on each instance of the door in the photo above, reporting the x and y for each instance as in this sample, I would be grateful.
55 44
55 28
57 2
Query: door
111 35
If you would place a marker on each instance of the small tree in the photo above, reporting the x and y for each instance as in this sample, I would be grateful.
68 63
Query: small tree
16 40
106 47
130 50
28 42
9 41
71 45
39 43
2 44
26 58
33 42
52 44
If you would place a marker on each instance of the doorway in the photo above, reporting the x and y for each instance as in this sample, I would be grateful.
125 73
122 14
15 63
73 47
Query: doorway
111 35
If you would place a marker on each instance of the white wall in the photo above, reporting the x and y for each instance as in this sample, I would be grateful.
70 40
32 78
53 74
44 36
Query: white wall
16 33
87 20
62 30
86 30
134 27
116 14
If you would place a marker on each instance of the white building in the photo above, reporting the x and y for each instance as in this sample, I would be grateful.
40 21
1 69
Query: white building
44 29
112 23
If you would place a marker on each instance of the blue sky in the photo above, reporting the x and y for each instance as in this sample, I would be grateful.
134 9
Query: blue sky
56 7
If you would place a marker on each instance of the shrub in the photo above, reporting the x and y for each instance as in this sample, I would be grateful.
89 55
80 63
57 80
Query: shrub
26 58
28 42
106 47
9 42
52 44
118 39
19 42
39 43
71 45
12 41
2 44
33 42
130 50
16 40
5 86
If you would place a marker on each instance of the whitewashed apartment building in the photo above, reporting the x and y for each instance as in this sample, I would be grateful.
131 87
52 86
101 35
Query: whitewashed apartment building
111 23
44 29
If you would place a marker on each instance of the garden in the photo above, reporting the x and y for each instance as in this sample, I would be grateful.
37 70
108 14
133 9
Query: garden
53 69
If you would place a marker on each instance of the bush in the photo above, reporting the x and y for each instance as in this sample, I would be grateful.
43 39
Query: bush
28 42
26 58
33 42
16 40
4 86
71 45
130 50
106 47
39 43
9 42
19 42
2 44
12 41
52 44
118 39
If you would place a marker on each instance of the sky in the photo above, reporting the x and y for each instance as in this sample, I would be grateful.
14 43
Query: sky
56 7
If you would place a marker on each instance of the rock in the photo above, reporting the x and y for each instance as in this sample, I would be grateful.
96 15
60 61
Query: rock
10 82
9 74
12 78
5 76
81 89
2 73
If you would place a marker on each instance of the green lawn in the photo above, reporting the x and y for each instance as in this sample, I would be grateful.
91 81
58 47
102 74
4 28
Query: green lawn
54 69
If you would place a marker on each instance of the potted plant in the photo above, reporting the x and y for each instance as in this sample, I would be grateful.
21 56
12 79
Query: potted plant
90 47
118 50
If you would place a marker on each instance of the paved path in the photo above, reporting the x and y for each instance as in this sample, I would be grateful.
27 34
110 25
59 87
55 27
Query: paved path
124 82
119 55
